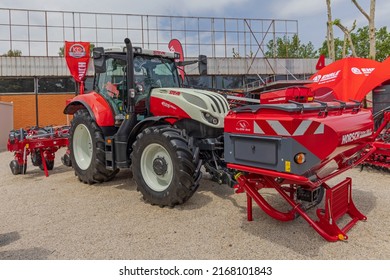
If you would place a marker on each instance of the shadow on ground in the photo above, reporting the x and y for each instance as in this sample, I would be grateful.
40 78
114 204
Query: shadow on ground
8 238
26 254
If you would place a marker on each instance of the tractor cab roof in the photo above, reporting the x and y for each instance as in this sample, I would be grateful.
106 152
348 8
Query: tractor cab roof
138 50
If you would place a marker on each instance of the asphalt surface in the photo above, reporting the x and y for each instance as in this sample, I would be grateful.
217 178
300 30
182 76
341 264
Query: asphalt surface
60 218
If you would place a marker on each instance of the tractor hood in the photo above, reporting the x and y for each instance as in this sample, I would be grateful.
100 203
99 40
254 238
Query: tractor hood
206 107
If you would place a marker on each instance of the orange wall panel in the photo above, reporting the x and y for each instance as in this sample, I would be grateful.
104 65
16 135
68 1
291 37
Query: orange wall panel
24 109
50 109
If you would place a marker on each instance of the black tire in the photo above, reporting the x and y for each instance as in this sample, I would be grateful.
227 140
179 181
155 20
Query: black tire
160 152
65 159
88 163
16 169
36 158
49 165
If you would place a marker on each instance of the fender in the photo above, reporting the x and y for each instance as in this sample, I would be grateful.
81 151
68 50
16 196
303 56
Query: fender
151 121
96 105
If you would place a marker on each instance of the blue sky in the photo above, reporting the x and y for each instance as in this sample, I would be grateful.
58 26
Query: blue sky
311 14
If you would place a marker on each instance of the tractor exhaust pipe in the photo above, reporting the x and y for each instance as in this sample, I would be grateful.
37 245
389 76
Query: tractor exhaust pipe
130 76
121 138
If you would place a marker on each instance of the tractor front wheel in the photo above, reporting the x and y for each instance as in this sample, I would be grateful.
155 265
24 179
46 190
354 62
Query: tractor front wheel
87 149
165 167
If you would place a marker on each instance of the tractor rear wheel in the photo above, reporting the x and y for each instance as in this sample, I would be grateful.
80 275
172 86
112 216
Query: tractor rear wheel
165 166
87 149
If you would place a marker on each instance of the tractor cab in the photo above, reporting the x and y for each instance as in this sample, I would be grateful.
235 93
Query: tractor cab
151 70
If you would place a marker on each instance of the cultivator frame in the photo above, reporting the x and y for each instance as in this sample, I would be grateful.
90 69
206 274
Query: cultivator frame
40 143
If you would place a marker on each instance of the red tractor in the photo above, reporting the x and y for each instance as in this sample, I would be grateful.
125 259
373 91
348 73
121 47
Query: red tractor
138 116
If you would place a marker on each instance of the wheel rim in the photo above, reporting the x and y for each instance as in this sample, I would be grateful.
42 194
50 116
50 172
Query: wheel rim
156 167
82 146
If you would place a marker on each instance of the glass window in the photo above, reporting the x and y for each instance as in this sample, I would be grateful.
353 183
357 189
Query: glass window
58 84
155 72
228 82
88 84
12 85
199 81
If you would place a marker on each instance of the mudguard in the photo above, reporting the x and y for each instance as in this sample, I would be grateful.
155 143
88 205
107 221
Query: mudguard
151 121
96 105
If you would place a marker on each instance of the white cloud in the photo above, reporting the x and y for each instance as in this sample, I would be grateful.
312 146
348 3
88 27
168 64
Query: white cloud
311 14
301 8
297 8
205 6
155 7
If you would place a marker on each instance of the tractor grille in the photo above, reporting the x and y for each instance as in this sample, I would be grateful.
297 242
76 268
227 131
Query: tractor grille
218 102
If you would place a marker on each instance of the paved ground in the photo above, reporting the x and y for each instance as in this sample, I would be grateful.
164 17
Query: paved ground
60 218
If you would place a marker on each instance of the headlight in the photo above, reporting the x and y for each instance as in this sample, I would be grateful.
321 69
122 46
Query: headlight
210 118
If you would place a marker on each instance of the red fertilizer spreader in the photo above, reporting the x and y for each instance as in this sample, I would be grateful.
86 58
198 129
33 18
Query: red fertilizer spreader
381 158
295 148
41 143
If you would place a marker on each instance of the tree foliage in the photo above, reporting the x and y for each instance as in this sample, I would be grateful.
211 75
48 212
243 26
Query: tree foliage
338 47
287 47
13 53
361 41
382 44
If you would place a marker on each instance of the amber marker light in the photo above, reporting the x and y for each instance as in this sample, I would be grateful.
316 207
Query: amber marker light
300 158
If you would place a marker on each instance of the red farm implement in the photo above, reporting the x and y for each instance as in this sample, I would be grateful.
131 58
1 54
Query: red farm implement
40 143
380 159
295 149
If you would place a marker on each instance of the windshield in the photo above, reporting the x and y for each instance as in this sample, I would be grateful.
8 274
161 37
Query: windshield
155 72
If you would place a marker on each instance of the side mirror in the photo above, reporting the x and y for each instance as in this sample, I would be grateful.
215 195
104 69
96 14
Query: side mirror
202 65
98 60
97 52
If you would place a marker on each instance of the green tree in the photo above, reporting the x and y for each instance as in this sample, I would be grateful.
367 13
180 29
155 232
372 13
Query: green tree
371 26
361 41
61 52
382 44
348 42
287 47
13 53
338 48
